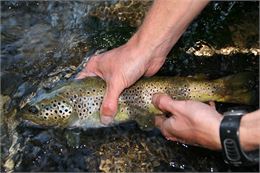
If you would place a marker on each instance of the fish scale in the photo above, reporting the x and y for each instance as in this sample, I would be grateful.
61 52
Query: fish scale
77 103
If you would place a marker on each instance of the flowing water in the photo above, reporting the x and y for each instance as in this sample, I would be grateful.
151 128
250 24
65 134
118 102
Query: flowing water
43 43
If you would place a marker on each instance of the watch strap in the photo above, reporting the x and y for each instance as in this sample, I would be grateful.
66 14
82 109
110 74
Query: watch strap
230 139
229 135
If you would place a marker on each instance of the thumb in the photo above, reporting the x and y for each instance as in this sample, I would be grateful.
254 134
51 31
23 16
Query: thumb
166 104
163 102
84 73
89 69
110 103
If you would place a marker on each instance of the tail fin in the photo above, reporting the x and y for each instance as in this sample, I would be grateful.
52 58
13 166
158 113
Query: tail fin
240 88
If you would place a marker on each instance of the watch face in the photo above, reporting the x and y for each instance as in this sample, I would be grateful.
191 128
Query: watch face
235 112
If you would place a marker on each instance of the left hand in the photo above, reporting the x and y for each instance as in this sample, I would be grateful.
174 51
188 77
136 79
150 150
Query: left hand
190 122
120 68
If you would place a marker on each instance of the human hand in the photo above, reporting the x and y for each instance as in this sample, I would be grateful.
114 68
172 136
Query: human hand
191 122
120 68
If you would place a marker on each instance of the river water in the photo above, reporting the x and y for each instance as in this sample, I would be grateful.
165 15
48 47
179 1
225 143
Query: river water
43 43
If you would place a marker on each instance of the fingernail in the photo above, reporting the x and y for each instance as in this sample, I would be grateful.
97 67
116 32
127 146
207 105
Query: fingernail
106 119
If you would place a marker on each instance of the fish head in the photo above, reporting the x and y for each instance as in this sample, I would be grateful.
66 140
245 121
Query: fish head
49 110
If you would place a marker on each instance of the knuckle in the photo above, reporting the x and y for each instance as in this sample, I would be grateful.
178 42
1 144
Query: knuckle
108 109
159 99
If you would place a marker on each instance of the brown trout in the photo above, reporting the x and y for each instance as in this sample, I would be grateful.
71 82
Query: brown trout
77 103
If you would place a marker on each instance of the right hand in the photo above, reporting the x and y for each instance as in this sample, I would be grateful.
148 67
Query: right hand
120 68
191 122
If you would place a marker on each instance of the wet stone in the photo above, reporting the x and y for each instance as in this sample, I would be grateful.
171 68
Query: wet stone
43 42
41 139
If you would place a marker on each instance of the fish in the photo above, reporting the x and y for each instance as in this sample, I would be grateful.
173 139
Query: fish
77 103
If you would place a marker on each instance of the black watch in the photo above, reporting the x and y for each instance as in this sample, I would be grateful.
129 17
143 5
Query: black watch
229 136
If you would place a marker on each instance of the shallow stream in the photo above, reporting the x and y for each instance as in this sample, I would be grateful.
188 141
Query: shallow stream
43 43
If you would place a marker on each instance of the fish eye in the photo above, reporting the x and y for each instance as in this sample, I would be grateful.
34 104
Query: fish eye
33 109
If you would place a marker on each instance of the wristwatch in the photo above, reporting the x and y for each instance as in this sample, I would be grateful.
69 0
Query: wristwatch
229 136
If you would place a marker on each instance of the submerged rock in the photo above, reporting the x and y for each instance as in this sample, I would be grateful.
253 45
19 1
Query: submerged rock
42 40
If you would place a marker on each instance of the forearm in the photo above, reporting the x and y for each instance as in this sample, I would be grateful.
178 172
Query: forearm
249 132
165 23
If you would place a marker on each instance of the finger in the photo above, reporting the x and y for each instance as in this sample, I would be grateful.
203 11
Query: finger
162 102
110 103
89 69
167 104
84 73
165 125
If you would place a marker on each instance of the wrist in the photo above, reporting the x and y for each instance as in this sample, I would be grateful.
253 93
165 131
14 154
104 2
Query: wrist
216 143
248 136
149 48
209 135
